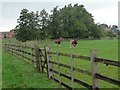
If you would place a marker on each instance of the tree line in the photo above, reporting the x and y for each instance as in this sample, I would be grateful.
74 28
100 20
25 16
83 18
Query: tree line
71 21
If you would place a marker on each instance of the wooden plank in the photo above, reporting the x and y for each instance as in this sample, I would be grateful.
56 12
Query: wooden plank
65 85
20 46
32 52
50 74
94 69
14 54
37 56
75 68
101 60
22 52
14 51
74 56
41 53
45 50
22 55
61 64
40 58
71 64
82 71
27 52
83 84
108 62
44 61
11 50
17 52
24 49
48 61
75 80
107 79
58 68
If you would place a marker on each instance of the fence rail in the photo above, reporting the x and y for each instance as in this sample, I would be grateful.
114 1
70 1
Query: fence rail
75 80
40 58
108 62
74 56
95 75
75 68
100 60
24 52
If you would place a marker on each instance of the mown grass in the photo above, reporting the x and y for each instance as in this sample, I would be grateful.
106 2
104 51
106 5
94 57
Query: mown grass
18 74
105 49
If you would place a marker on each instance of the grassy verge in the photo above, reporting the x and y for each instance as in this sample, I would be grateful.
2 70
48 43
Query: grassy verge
0 64
18 74
105 48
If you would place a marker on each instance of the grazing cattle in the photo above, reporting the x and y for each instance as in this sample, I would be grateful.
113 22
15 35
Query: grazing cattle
58 41
73 42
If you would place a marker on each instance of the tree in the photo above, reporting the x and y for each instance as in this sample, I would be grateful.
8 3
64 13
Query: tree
72 21
44 17
69 21
95 32
22 27
55 23
27 26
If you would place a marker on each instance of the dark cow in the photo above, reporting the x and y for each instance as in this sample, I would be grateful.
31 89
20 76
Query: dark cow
58 41
73 42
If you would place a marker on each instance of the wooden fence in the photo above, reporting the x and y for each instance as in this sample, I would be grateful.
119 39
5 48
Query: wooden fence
32 55
41 59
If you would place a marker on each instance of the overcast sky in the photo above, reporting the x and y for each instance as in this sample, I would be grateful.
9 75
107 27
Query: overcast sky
103 11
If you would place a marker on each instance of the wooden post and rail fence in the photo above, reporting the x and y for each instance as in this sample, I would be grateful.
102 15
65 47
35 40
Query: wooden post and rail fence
41 59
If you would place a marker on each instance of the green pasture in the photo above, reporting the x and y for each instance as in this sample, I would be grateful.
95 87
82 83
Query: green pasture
18 74
105 49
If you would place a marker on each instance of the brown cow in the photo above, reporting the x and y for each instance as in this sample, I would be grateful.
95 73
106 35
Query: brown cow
73 42
58 41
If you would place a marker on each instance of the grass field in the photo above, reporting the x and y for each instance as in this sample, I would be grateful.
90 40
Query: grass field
105 49
18 74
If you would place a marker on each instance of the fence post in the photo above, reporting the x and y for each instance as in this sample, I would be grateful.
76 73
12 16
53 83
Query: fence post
32 57
25 50
22 52
58 67
45 50
32 53
15 47
40 58
36 46
94 69
50 74
72 70
19 50
8 47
